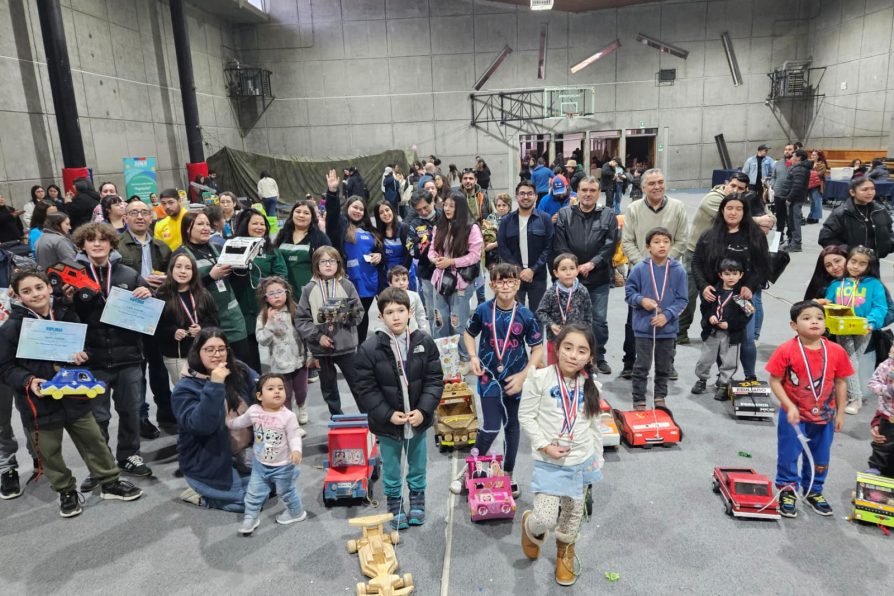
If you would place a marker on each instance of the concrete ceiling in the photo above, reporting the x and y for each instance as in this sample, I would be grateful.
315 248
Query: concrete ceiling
581 5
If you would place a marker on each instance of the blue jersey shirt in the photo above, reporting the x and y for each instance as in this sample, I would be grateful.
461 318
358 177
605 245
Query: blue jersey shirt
525 330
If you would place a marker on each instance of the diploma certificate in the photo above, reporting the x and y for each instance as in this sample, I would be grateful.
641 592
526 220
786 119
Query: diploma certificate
137 314
45 339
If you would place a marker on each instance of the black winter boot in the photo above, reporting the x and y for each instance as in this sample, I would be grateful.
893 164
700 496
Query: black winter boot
400 518
417 508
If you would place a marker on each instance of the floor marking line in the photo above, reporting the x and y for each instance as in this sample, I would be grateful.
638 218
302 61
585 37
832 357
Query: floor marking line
448 533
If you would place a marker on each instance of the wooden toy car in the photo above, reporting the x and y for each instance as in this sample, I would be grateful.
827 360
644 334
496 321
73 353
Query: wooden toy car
745 493
490 493
611 437
646 428
841 320
73 382
70 273
456 420
377 559
751 399
353 460
874 499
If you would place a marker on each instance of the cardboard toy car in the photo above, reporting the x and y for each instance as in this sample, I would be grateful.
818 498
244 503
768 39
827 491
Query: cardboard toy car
353 461
489 488
745 493
841 320
874 499
611 437
73 382
646 428
70 273
752 399
456 421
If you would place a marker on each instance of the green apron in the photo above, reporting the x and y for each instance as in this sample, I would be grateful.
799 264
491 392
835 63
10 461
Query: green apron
297 257
245 285
231 320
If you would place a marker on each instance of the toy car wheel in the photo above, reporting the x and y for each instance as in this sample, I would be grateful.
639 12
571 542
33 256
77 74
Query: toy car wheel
55 280
327 502
85 295
376 471
407 580
715 486
728 508
395 537
360 590
352 547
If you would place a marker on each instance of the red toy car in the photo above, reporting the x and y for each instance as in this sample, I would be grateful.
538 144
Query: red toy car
745 493
646 428
75 275
353 460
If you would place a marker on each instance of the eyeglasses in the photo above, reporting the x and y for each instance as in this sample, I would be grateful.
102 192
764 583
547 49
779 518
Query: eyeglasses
275 293
525 194
504 283
139 213
328 262
212 350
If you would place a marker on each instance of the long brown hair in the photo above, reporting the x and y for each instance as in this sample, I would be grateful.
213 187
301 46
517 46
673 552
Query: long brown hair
591 392
364 224
169 291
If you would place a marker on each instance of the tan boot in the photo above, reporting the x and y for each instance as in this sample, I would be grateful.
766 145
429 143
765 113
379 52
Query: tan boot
565 575
530 544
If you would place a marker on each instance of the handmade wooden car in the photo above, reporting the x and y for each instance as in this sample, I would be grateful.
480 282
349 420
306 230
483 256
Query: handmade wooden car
745 493
70 273
73 382
874 499
490 493
353 460
377 559
611 437
647 428
751 399
456 421
841 320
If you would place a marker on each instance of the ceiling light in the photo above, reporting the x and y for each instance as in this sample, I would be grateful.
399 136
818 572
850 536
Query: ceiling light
661 46
541 4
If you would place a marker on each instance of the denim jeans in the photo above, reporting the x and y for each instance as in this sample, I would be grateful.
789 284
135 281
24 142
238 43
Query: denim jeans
794 223
816 205
270 204
230 499
599 300
619 196
748 351
758 301
262 478
417 459
500 412
427 292
125 384
454 310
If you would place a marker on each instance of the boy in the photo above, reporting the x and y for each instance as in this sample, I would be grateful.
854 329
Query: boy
804 372
399 277
502 364
723 329
657 291
398 384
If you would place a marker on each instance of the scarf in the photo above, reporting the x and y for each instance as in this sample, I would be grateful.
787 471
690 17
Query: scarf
570 290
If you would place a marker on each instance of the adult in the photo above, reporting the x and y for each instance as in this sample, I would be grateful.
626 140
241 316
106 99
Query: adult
297 240
196 232
859 220
269 262
54 193
216 387
227 202
54 245
106 189
11 228
607 184
482 174
857 165
353 235
559 196
391 189
878 172
794 192
38 193
817 186
211 181
268 192
573 173
777 185
168 229
115 354
393 233
442 187
758 167
419 236
38 220
830 266
524 239
80 206
590 232
355 186
540 176
113 208
479 205
455 252
216 218
733 235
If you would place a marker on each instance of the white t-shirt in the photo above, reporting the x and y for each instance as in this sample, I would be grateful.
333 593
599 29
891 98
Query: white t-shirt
523 238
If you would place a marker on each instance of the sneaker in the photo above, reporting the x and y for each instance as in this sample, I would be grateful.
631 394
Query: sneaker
148 430
70 503
721 393
682 340
627 372
639 406
748 378
134 466
313 375
249 524
516 492
10 488
674 375
121 490
788 503
603 367
853 407
301 432
819 504
416 513
400 518
303 418
700 387
192 497
285 518
660 402
89 484
794 248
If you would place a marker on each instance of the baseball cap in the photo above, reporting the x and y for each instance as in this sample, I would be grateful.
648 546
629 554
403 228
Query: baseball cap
560 185
762 147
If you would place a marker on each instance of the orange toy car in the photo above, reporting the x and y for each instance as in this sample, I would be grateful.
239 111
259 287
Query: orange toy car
69 273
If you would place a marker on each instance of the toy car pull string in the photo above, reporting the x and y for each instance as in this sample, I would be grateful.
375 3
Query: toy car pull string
658 299
405 391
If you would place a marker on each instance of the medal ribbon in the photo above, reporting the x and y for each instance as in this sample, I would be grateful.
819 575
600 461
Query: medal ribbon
822 379
194 315
853 298
325 293
501 352
659 297
720 306
99 279
564 312
51 316
569 403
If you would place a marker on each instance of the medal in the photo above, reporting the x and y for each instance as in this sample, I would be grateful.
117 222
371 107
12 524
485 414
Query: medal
564 311
721 305
499 368
817 395
499 353
815 411
659 297
569 404
99 279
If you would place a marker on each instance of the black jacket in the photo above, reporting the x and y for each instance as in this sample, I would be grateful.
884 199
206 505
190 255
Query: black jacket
591 236
607 178
132 253
540 239
18 372
173 318
794 187
11 229
377 382
732 313
419 239
80 210
355 186
852 226
736 247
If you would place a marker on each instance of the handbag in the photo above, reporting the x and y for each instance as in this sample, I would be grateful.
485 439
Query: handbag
778 262
448 283
469 273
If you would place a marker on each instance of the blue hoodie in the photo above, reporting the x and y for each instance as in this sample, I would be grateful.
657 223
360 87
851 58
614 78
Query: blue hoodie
870 301
639 286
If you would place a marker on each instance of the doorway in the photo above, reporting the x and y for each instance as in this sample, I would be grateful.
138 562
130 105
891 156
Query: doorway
640 147
604 145
569 146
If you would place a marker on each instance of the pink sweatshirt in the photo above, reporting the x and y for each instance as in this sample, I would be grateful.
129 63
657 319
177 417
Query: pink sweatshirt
879 385
276 434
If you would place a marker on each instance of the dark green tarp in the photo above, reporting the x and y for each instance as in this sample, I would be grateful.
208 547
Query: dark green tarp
239 171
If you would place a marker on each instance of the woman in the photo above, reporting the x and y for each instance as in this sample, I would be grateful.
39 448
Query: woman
54 193
11 229
442 188
80 205
228 210
217 386
354 236
734 235
37 195
297 241
858 167
113 208
38 219
268 192
196 233
253 224
817 186
394 242
859 220
55 245
456 245
482 173
830 265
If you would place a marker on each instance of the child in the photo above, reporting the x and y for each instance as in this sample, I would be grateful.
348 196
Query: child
882 426
327 317
866 294
567 447
502 363
567 302
45 417
723 327
399 384
490 228
277 453
808 359
657 291
399 277
287 353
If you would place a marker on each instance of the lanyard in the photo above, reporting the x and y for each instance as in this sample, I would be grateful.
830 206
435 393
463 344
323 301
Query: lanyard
99 279
853 298
817 395
720 306
659 297
327 292
51 316
564 312
401 359
569 403
194 315
493 328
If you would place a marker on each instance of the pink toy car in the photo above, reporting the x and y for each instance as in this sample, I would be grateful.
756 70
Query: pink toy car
490 495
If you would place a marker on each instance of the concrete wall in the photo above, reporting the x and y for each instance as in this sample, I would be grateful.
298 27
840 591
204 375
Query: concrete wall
125 78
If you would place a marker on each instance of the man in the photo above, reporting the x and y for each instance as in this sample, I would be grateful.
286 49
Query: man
794 193
541 176
652 211
168 229
524 239
758 168
573 174
146 255
777 180
211 181
590 232
558 198
478 206
608 182
419 239
355 186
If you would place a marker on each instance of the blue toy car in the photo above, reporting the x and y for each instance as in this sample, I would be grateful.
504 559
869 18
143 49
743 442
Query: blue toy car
73 382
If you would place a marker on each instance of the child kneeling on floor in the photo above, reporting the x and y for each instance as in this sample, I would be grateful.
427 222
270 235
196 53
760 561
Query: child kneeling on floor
398 384
277 453
559 411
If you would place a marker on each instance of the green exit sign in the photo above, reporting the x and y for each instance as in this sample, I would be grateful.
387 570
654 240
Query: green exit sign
661 146
642 123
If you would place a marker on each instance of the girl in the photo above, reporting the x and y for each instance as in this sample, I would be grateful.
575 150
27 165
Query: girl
38 219
54 193
188 308
228 210
55 244
559 411
113 208
866 294
37 195
275 329
328 314
567 302
393 233
881 462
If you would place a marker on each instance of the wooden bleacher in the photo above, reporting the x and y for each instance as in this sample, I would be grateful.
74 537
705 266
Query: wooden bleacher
841 158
